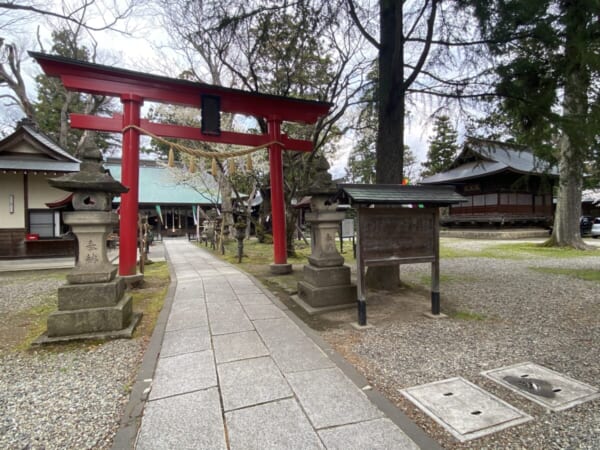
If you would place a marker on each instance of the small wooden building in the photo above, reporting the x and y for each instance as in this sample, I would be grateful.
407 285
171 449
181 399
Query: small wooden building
504 184
29 225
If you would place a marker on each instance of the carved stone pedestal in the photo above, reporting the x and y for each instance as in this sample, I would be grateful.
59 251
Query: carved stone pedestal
93 304
326 285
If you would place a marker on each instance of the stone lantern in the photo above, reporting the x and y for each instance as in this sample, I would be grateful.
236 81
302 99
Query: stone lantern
93 303
326 283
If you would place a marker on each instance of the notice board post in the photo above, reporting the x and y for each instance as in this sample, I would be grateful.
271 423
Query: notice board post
397 225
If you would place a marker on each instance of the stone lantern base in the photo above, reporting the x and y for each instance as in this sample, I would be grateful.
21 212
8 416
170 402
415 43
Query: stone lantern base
326 288
91 311
93 304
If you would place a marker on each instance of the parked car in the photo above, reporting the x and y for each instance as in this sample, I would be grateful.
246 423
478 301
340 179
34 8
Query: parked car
585 224
595 231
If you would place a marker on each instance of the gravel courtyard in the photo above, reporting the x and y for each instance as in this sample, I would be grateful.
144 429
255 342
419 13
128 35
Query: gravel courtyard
502 311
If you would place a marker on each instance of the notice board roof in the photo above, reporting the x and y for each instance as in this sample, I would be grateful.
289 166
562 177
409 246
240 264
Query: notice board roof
396 194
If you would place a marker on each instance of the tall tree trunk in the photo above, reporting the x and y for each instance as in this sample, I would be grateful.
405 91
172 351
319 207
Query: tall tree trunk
390 133
573 143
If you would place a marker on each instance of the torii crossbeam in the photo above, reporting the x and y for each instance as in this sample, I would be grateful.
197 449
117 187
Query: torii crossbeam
133 88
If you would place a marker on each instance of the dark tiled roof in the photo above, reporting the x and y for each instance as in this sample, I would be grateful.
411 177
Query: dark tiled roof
48 156
482 157
397 194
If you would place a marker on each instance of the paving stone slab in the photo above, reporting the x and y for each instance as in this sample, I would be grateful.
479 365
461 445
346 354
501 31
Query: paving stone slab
173 423
256 298
183 373
274 331
236 346
186 340
330 398
567 391
182 317
224 296
297 356
228 318
257 312
189 289
247 288
276 425
465 410
251 382
379 434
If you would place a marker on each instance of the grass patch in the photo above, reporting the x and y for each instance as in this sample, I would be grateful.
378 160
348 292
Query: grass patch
35 319
516 251
582 274
466 315
257 254
149 298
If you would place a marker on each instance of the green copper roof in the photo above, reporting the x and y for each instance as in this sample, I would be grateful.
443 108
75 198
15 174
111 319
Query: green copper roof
165 185
396 194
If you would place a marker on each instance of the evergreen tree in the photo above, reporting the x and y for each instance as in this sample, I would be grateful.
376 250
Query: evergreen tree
547 65
55 103
443 147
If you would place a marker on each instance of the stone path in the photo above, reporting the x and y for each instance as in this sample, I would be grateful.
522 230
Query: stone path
236 371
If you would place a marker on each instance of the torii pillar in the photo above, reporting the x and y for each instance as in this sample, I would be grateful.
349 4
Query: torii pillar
130 174
280 264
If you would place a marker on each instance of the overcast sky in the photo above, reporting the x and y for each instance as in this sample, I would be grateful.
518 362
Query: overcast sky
138 51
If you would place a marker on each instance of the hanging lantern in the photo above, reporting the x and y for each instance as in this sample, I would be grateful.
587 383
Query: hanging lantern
171 160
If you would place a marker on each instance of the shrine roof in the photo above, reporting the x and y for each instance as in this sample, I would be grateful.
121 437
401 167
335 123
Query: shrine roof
28 149
163 185
482 157
397 194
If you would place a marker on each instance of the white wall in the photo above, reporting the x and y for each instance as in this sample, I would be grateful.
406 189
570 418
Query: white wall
12 184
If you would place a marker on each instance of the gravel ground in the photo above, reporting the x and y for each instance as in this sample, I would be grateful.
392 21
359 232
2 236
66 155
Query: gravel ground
72 397
60 397
511 314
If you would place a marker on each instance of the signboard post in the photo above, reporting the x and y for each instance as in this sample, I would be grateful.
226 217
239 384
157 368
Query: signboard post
398 225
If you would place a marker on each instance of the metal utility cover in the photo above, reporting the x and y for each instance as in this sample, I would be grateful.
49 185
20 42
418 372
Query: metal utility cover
465 410
568 392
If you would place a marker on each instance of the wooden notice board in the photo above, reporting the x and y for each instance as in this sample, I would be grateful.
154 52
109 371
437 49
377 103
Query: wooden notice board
390 235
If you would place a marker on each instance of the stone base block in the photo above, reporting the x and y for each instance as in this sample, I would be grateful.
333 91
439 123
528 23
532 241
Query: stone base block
327 276
326 296
85 296
280 269
93 274
79 321
125 333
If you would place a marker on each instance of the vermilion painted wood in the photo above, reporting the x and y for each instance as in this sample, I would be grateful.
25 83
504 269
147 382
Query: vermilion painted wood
130 163
106 80
133 88
115 124
277 199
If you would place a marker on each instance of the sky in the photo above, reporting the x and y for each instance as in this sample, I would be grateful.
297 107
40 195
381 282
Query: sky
138 51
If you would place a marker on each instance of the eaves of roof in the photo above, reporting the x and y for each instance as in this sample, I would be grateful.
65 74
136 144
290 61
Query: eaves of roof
396 194
46 165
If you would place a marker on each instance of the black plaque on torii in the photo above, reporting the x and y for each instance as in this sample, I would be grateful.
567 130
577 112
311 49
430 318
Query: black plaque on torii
397 224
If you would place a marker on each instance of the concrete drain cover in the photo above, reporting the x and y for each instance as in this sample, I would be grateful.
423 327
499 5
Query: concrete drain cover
465 410
543 386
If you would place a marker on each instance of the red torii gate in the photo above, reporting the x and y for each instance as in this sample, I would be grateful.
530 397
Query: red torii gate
133 88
